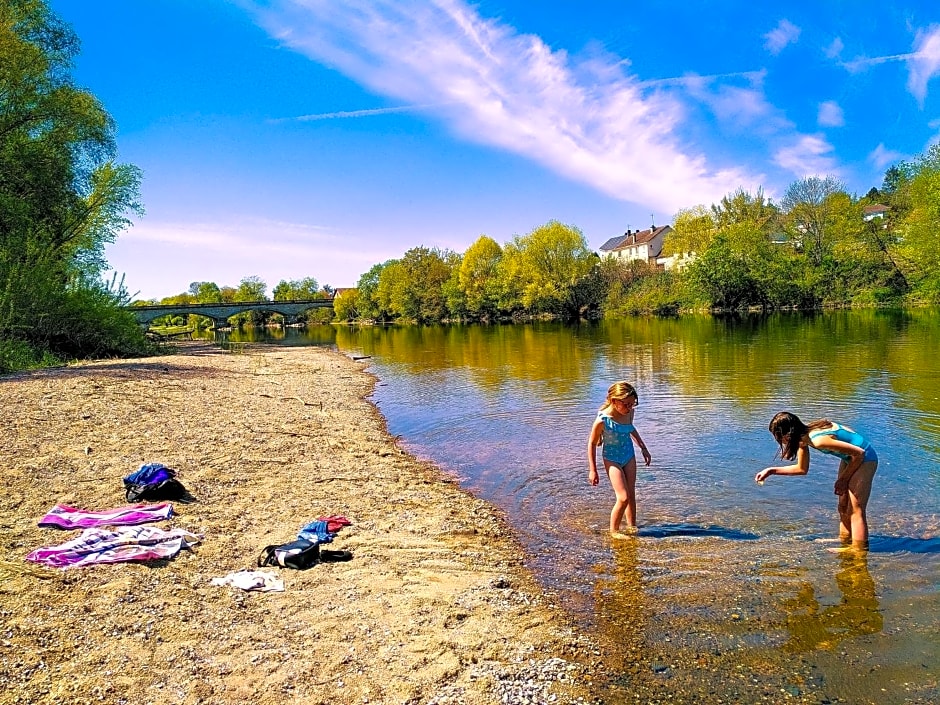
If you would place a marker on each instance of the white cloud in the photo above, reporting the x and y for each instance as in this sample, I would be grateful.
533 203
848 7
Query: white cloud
835 48
882 157
830 114
780 36
808 156
924 63
589 121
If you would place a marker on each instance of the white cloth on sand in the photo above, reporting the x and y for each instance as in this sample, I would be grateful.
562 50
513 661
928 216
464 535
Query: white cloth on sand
257 580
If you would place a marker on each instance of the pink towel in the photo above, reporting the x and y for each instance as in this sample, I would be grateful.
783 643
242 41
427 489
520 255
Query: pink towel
66 517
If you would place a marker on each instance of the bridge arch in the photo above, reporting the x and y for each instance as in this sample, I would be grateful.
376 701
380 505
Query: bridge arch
220 313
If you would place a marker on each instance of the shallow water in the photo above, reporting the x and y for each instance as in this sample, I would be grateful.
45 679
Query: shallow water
729 592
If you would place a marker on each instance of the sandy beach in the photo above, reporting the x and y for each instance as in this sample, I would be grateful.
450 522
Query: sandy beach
435 606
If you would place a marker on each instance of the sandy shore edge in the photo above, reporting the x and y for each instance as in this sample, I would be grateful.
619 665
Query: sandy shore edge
435 607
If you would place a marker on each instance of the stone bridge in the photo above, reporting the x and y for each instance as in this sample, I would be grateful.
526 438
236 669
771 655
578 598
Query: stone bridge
220 313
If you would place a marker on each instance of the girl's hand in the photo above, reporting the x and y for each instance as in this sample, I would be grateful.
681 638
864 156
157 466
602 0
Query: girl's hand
763 475
646 456
592 476
841 487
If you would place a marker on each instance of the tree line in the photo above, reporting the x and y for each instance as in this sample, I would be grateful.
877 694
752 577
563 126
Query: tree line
815 248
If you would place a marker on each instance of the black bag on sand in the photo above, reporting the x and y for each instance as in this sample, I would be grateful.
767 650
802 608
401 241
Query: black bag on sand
299 554
168 490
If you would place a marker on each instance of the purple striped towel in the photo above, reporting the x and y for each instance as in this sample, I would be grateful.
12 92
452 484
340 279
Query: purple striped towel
126 543
65 517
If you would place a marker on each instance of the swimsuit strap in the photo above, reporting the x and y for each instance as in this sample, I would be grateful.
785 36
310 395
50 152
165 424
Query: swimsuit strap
825 431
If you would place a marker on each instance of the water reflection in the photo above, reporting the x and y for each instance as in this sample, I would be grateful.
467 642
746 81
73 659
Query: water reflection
813 626
620 600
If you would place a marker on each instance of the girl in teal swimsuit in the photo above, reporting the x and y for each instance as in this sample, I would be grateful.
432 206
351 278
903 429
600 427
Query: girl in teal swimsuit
613 428
858 463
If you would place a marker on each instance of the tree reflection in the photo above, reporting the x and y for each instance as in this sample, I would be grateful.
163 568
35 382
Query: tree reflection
814 627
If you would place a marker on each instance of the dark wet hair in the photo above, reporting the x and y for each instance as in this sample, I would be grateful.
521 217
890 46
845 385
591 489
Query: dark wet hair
788 430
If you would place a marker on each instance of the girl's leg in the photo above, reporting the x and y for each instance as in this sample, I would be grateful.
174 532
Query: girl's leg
845 512
619 482
629 472
857 504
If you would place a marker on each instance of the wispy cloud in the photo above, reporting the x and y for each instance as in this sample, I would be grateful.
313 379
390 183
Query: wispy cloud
881 157
830 114
924 63
740 105
834 49
588 120
807 156
777 39
353 113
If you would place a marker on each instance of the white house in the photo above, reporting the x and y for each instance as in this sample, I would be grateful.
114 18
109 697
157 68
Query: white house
643 245
876 210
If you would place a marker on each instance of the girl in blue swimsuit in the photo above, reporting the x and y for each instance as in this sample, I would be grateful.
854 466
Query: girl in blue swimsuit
858 463
614 430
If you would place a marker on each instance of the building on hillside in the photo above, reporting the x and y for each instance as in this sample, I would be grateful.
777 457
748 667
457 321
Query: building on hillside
876 210
643 245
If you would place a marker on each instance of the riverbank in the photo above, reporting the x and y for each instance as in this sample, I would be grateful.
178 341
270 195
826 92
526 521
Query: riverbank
436 605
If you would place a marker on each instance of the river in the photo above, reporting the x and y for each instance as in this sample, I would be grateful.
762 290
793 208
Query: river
730 589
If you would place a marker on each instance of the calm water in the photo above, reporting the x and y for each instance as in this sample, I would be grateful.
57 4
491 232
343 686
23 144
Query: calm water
729 590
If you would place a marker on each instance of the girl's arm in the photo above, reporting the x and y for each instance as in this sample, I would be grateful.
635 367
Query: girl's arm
846 469
646 454
800 467
594 440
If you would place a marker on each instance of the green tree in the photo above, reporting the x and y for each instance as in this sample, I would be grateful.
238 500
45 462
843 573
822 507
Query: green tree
478 277
251 288
413 287
62 197
304 289
545 266
919 244
692 231
809 206
346 305
205 292
368 294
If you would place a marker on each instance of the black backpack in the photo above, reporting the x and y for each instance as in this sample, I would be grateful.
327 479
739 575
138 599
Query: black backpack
300 554
154 483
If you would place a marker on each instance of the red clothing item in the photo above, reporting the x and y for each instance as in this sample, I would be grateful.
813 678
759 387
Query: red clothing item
335 522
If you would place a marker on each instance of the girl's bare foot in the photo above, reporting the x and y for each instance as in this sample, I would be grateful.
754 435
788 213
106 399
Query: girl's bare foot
627 533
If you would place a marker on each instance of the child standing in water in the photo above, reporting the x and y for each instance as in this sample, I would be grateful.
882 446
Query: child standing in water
856 469
614 430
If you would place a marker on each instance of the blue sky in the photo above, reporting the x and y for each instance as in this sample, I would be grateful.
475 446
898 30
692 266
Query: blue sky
294 138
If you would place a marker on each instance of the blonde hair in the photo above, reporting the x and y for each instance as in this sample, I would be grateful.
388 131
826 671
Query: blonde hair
620 390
